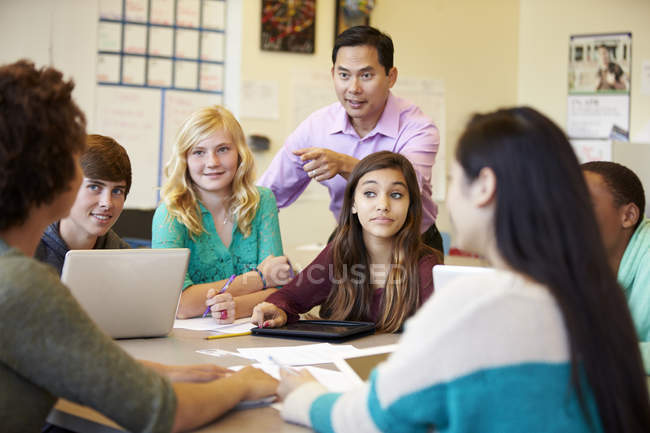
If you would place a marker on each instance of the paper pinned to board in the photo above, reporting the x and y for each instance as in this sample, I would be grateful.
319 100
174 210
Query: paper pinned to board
260 99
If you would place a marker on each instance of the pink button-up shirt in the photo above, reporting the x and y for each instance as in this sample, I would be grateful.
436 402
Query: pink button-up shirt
402 128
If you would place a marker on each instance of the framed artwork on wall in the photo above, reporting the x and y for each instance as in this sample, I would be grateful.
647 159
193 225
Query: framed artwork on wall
350 13
288 25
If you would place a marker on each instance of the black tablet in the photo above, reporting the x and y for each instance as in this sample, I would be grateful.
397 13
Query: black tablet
319 329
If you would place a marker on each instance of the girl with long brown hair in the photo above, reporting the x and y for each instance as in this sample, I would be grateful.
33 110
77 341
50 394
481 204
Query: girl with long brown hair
377 268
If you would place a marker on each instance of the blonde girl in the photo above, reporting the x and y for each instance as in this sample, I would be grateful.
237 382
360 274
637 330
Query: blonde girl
211 205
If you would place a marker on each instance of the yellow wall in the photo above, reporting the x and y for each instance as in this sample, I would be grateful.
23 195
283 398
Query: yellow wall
545 27
489 54
471 45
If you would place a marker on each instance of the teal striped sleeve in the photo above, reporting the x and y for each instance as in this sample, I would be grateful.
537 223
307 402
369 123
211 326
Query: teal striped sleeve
268 225
167 232
320 412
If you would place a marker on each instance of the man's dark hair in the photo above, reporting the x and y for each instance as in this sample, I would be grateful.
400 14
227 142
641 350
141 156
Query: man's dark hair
41 129
623 183
106 159
366 35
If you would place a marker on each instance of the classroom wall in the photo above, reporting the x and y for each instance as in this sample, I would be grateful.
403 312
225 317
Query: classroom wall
545 27
59 33
471 45
487 54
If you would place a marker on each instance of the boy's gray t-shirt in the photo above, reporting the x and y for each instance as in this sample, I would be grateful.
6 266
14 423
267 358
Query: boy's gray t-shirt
50 348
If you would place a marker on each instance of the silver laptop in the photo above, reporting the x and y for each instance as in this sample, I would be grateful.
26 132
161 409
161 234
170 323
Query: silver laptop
128 293
443 274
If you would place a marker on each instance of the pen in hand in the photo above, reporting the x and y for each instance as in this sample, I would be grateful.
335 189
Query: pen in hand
283 367
223 289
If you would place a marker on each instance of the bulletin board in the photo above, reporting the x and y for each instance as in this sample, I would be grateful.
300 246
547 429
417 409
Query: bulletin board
157 62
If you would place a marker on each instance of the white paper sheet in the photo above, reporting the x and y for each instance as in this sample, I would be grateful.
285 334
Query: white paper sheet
133 70
162 12
312 90
161 41
308 354
211 77
209 324
333 380
160 72
135 38
109 36
108 68
187 13
592 150
593 116
187 44
212 45
136 10
218 353
214 14
132 117
185 75
260 99
429 96
110 9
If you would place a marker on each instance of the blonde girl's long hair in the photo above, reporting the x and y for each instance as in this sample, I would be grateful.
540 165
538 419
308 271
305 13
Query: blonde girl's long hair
351 298
178 190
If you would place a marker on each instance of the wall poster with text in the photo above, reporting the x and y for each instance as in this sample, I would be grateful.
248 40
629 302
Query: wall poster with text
599 86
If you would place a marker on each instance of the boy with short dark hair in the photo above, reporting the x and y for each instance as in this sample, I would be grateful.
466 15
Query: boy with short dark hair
99 202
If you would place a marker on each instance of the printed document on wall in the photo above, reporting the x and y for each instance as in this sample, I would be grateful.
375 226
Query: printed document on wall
599 86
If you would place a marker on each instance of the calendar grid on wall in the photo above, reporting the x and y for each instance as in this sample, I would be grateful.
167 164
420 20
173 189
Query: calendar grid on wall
162 44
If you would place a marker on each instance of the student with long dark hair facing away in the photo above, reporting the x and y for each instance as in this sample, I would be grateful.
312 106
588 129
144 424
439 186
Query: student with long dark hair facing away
212 206
50 347
545 344
377 268
619 202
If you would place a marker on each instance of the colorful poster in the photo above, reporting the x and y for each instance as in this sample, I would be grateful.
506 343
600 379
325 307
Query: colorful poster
599 85
288 25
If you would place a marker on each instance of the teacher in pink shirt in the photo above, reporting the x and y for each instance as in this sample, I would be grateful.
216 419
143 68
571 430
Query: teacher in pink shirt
368 118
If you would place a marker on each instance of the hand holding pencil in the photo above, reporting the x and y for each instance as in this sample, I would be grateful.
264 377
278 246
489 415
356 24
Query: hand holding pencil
221 304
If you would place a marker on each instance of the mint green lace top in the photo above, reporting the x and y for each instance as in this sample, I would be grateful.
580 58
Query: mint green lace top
210 260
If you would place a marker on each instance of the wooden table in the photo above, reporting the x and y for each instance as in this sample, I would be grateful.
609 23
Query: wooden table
180 349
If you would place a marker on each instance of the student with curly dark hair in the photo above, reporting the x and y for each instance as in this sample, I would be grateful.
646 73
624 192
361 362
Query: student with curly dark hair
42 136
